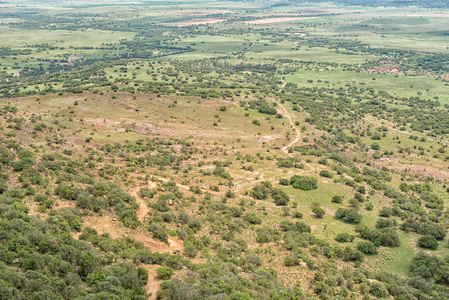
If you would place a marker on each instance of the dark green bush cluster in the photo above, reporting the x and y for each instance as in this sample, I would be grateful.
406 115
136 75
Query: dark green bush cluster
48 263
344 237
304 183
349 215
263 190
380 237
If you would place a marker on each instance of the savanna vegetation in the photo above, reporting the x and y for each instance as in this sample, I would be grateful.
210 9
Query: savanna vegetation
237 150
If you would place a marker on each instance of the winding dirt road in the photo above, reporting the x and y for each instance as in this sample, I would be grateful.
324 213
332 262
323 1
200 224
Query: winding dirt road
153 283
286 114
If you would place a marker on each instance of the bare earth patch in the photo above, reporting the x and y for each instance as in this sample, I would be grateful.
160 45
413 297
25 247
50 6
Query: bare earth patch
153 283
108 224
385 67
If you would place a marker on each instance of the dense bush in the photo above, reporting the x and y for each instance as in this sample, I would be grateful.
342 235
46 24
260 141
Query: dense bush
326 173
164 273
253 218
337 199
291 260
267 235
50 264
263 284
344 237
428 242
367 248
430 267
284 181
385 223
305 183
348 215
279 196
319 212
261 191
380 237
424 228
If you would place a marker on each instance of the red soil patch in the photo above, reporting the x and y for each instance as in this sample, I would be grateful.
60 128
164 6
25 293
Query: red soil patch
385 67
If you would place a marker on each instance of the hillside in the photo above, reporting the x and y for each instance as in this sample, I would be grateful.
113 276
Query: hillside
224 150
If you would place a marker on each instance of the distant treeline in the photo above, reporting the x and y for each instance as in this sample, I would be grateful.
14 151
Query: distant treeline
249 66
395 3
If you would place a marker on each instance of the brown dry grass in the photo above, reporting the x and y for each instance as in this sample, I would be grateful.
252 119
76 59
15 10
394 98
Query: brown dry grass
109 224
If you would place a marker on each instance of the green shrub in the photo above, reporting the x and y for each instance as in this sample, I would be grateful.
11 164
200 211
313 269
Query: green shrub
256 122
284 181
319 212
337 199
291 260
279 196
261 191
253 218
385 212
297 215
267 235
387 237
344 237
367 248
164 273
304 183
326 173
348 215
428 242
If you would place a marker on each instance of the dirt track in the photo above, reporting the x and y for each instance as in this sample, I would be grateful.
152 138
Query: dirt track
153 283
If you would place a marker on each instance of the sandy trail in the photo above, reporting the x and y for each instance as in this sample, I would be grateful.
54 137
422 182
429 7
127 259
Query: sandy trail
298 133
185 187
142 213
153 283
285 113
143 210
